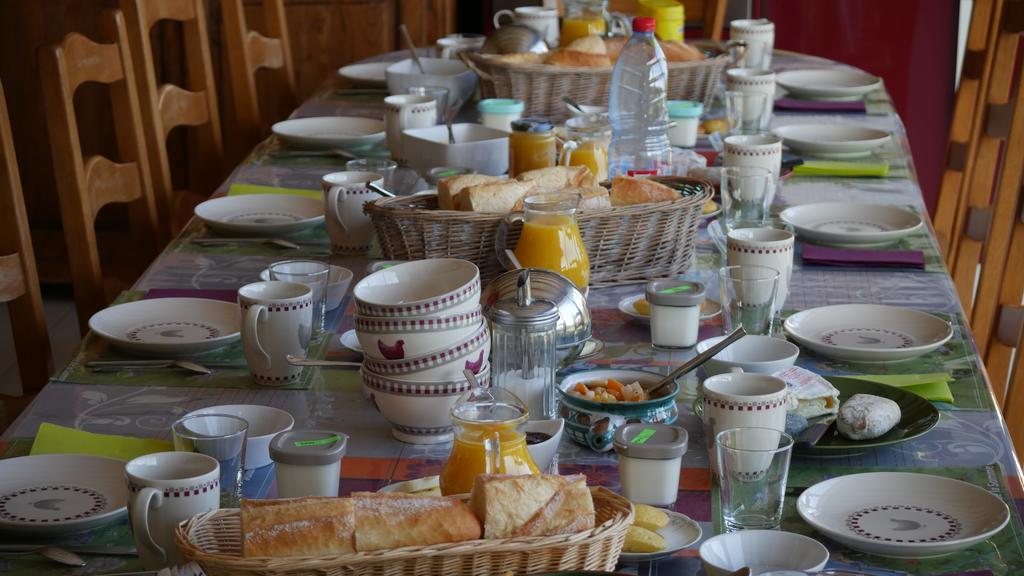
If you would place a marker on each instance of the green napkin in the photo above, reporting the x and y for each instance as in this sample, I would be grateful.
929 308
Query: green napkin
241 189
832 168
54 439
933 386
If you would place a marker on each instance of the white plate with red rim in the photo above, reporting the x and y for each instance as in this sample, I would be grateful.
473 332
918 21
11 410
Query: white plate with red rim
901 514
261 214
56 494
828 83
680 533
330 132
868 332
168 326
835 141
848 223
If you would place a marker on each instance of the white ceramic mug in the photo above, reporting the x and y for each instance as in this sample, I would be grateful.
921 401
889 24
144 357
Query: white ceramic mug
277 320
756 81
350 229
165 489
742 400
759 36
404 111
769 247
764 150
452 44
543 20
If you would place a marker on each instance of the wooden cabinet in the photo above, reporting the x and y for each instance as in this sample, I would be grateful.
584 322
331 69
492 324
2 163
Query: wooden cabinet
325 35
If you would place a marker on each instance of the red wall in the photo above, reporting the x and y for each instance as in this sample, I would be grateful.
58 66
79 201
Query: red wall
909 43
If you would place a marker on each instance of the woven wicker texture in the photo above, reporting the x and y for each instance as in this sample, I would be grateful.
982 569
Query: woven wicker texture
213 540
626 244
542 86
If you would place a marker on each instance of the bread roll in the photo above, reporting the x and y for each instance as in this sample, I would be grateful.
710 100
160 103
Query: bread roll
627 190
612 46
578 59
592 44
676 51
448 188
494 197
310 526
555 178
386 521
521 58
590 198
532 505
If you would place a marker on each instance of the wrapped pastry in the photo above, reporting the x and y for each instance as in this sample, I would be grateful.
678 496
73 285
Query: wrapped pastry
808 394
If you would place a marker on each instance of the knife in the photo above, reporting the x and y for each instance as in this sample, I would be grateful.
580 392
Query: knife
813 433
98 550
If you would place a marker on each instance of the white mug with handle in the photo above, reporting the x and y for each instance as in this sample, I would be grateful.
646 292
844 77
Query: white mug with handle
165 489
543 20
277 320
405 111
350 229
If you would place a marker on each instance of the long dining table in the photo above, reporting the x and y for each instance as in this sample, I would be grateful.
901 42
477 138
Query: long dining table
970 441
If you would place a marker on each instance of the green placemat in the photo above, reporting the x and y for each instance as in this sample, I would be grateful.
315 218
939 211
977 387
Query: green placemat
1003 553
228 364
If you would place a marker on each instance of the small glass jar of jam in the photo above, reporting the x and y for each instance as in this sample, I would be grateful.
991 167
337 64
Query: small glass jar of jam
531 145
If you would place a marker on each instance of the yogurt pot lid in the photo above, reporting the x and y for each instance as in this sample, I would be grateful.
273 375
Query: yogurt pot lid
308 447
674 293
650 441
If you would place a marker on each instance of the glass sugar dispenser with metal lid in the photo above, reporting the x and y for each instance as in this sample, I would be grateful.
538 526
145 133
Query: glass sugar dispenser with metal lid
523 357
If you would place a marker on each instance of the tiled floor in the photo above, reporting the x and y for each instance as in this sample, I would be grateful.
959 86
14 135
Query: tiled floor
64 337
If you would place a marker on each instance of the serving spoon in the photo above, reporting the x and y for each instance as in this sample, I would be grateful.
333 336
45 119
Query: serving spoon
696 361
412 48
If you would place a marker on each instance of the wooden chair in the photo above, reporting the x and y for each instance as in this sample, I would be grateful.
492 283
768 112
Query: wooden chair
19 284
247 52
87 184
168 106
711 13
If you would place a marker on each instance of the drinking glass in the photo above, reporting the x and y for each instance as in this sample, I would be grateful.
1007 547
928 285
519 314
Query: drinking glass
752 467
747 112
439 94
312 273
748 297
383 166
221 437
747 193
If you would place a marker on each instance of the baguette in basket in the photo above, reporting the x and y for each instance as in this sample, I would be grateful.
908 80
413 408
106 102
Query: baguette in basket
531 505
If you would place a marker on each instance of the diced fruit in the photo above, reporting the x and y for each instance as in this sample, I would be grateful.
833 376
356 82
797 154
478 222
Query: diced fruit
649 517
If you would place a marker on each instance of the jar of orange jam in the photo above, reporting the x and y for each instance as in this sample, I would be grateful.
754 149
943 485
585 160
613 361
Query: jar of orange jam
531 145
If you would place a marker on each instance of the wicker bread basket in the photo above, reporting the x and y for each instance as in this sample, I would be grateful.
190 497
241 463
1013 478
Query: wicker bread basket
543 86
626 244
213 540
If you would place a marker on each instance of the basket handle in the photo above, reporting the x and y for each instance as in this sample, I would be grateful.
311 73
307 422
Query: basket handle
501 240
464 56
737 49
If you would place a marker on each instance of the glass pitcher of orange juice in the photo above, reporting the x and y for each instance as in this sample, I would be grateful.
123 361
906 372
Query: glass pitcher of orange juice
550 238
587 141
489 439
587 17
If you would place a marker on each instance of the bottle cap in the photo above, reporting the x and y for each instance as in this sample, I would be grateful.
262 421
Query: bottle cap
685 109
675 293
308 447
643 24
500 106
650 441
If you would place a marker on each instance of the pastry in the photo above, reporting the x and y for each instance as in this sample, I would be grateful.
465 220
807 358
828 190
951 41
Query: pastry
866 416
808 394
642 540
627 190
649 517
532 505
385 521
310 526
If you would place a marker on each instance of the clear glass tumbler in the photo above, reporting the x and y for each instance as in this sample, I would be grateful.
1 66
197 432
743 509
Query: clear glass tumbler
312 273
383 166
748 297
221 437
748 112
439 94
752 467
747 193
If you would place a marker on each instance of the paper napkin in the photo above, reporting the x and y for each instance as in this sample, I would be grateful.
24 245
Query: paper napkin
827 256
834 168
816 106
54 439
934 386
242 189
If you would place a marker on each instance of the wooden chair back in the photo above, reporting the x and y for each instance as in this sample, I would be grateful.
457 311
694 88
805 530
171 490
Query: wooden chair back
19 283
87 184
249 51
168 106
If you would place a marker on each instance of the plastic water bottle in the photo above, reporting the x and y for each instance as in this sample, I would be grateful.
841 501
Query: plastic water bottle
638 107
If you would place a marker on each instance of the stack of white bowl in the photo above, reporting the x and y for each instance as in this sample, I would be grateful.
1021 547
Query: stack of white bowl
420 325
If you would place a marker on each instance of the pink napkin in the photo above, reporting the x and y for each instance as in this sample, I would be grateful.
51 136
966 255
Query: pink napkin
815 106
853 257
210 294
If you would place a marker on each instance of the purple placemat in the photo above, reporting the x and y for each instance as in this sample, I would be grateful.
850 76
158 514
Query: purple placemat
210 294
826 256
815 106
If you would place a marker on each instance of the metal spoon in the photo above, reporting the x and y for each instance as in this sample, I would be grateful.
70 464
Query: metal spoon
300 361
116 365
412 48
471 378
379 190
58 555
450 116
512 258
572 104
275 241
696 361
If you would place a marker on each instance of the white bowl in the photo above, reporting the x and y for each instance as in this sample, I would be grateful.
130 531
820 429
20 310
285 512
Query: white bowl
477 147
419 288
587 109
442 365
543 453
761 551
398 338
451 74
752 353
337 284
264 423
419 412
